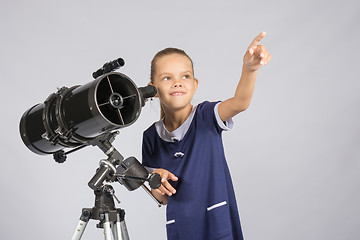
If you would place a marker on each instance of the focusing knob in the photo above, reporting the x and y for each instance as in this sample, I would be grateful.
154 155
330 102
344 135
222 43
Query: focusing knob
59 156
155 181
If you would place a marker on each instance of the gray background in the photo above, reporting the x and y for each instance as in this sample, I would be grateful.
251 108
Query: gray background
294 154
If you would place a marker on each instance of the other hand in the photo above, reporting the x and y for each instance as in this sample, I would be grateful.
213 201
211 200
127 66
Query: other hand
165 187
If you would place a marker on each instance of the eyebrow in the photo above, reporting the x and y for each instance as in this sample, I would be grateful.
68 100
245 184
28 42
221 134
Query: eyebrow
166 73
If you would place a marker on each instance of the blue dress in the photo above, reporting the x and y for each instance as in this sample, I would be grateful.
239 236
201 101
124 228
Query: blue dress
204 206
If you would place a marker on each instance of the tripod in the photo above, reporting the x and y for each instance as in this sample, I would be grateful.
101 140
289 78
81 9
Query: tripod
128 172
86 115
111 219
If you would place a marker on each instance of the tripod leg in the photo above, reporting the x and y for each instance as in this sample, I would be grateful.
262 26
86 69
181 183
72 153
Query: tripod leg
80 228
119 227
107 227
120 223
124 232
116 231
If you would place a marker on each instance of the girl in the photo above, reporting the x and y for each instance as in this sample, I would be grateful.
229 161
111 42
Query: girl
185 147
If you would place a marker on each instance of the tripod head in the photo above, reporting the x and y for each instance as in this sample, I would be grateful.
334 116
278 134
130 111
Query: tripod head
129 172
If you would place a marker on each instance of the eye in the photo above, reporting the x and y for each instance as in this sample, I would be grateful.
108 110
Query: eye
186 76
166 78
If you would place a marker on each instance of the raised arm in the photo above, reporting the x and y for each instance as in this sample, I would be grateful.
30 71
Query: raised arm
255 57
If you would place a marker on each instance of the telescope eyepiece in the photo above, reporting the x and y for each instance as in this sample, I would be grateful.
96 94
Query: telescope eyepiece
148 91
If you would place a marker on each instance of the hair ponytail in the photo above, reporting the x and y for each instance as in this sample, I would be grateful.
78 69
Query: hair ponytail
162 113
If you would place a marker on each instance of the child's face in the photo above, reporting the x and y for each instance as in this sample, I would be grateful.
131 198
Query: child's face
174 80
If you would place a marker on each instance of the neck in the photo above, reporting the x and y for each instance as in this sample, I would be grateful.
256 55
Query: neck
174 119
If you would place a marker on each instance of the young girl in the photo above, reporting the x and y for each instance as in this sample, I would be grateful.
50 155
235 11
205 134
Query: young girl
185 147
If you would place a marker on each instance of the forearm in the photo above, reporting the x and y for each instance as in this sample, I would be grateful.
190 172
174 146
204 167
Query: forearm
242 97
244 90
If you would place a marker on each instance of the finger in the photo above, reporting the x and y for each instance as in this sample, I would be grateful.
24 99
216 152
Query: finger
169 187
257 40
264 55
164 177
260 51
159 191
162 190
251 51
268 59
172 177
261 54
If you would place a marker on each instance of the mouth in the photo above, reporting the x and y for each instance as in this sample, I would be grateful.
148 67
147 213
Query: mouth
177 93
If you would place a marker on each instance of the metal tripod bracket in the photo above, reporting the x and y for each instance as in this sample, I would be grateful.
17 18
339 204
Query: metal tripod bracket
112 219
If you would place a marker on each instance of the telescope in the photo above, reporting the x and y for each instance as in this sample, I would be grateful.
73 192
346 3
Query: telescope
75 116
90 115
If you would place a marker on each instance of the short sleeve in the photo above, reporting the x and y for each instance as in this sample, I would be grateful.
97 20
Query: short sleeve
228 124
209 115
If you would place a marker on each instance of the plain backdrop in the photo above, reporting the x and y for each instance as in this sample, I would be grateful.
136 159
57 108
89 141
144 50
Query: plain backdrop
294 154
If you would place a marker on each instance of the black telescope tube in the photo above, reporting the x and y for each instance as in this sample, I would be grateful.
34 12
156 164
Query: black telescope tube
75 116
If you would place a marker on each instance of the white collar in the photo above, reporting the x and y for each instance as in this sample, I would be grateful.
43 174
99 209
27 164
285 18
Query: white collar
179 133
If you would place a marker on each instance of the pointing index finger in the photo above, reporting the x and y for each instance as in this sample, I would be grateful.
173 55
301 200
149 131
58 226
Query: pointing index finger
257 40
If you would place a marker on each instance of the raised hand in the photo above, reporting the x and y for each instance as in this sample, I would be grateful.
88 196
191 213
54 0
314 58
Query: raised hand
256 55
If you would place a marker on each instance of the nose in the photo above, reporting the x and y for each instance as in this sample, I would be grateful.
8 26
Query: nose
177 83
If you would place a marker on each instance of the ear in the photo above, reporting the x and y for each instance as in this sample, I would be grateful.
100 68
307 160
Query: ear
157 95
196 82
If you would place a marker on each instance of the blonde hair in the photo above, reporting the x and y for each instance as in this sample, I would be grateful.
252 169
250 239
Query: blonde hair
162 53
